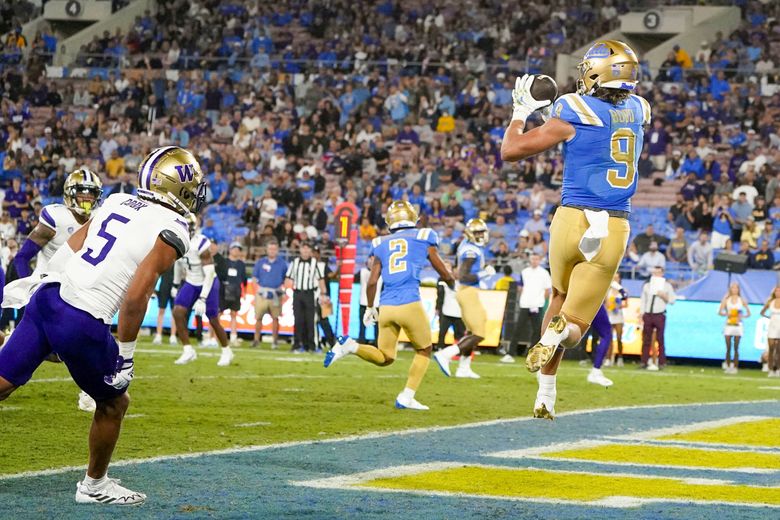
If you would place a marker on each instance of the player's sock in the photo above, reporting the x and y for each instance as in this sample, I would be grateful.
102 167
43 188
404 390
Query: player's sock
465 362
95 483
407 393
547 384
369 353
417 371
550 337
451 351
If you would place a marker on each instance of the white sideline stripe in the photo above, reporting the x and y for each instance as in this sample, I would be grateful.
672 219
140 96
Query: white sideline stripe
364 436
135 415
769 387
346 481
9 408
251 424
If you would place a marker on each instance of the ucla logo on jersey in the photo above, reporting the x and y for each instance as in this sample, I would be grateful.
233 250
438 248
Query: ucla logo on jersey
186 172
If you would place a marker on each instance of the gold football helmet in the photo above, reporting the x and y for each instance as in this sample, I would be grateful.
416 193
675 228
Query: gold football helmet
401 214
477 232
82 191
172 176
609 64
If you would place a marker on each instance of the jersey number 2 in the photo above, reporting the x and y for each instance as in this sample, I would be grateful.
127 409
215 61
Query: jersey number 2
110 239
622 146
399 249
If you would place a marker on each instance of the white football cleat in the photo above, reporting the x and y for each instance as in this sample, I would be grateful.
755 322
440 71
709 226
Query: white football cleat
507 359
652 367
724 365
188 356
544 406
86 403
343 347
596 376
173 340
226 357
443 361
619 362
109 493
466 372
403 402
157 339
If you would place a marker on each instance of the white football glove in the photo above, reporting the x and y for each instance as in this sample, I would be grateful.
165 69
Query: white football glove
487 272
200 307
523 103
371 316
123 375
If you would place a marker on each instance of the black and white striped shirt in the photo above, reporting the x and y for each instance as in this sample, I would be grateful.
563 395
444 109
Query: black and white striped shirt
304 274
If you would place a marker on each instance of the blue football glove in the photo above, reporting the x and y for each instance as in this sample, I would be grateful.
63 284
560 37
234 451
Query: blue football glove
123 375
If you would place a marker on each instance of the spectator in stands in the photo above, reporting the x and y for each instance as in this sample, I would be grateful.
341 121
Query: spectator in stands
677 250
693 165
241 195
657 293
741 210
764 258
700 254
722 223
219 187
682 58
536 224
750 233
454 215
643 240
651 259
690 190
15 199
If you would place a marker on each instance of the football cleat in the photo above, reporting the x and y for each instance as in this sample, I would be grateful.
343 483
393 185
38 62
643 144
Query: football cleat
466 372
173 340
596 376
408 403
188 356
226 357
542 412
339 350
86 403
444 362
507 359
652 367
619 362
157 339
765 367
109 493
540 354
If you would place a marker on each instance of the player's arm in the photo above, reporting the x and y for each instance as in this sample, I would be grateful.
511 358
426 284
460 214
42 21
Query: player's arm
373 281
37 240
464 271
518 145
209 273
438 265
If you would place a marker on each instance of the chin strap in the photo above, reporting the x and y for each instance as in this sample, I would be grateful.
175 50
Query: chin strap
24 257
209 273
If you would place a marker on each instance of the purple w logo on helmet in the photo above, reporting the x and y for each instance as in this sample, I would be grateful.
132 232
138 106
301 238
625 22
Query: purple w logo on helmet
186 172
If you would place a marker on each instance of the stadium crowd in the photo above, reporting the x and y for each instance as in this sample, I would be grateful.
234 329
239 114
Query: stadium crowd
295 107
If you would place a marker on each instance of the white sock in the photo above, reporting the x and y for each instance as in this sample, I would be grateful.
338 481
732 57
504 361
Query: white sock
95 483
547 384
350 347
451 351
407 393
550 337
465 361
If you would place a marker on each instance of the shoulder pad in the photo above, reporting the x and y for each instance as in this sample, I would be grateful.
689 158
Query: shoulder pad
573 108
46 216
375 242
173 240
646 111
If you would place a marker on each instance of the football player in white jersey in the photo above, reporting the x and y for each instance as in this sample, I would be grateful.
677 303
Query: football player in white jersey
200 294
110 265
57 222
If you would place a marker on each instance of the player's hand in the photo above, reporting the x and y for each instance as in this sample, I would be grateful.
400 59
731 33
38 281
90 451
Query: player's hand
174 291
487 272
523 103
371 316
200 307
123 375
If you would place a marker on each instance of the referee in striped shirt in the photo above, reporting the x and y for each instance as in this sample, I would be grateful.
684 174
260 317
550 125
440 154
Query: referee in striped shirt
306 278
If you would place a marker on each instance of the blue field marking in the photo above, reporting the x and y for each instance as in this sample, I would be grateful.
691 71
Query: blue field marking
262 483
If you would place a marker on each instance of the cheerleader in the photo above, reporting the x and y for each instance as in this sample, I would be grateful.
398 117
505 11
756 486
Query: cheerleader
772 307
616 301
731 307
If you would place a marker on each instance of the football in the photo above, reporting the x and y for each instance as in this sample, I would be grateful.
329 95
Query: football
544 87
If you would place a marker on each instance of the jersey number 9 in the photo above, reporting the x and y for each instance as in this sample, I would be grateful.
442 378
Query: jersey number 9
399 249
622 147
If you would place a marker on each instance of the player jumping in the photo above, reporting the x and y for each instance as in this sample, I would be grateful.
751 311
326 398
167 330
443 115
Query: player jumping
109 265
471 269
602 131
200 294
399 258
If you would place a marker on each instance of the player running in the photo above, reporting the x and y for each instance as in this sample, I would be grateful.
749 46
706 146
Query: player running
602 131
57 222
399 258
109 265
200 294
471 269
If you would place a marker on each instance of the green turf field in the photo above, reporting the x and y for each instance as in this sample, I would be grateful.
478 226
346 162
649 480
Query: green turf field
275 396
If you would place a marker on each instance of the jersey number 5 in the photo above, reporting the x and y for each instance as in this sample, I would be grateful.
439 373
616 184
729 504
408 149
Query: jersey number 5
399 249
622 146
110 239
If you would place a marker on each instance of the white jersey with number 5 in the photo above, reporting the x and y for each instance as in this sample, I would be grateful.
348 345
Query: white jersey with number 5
199 245
122 232
61 220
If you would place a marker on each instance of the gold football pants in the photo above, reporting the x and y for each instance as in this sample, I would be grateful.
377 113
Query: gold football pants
474 315
584 283
411 318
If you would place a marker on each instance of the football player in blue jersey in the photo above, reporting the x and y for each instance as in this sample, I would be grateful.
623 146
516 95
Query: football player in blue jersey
399 258
601 128
471 269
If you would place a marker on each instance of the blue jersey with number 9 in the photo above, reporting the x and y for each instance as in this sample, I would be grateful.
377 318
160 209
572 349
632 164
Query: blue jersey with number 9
403 254
600 161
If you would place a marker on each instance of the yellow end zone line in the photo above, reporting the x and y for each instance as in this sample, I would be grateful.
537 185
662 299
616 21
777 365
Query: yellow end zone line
357 482
365 436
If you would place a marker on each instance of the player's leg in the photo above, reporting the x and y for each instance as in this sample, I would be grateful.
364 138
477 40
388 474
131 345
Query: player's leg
212 314
603 328
387 340
414 321
185 299
158 333
475 318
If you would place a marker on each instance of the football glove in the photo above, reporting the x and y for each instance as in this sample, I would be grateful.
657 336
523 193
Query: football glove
200 307
123 375
523 103
486 272
371 316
